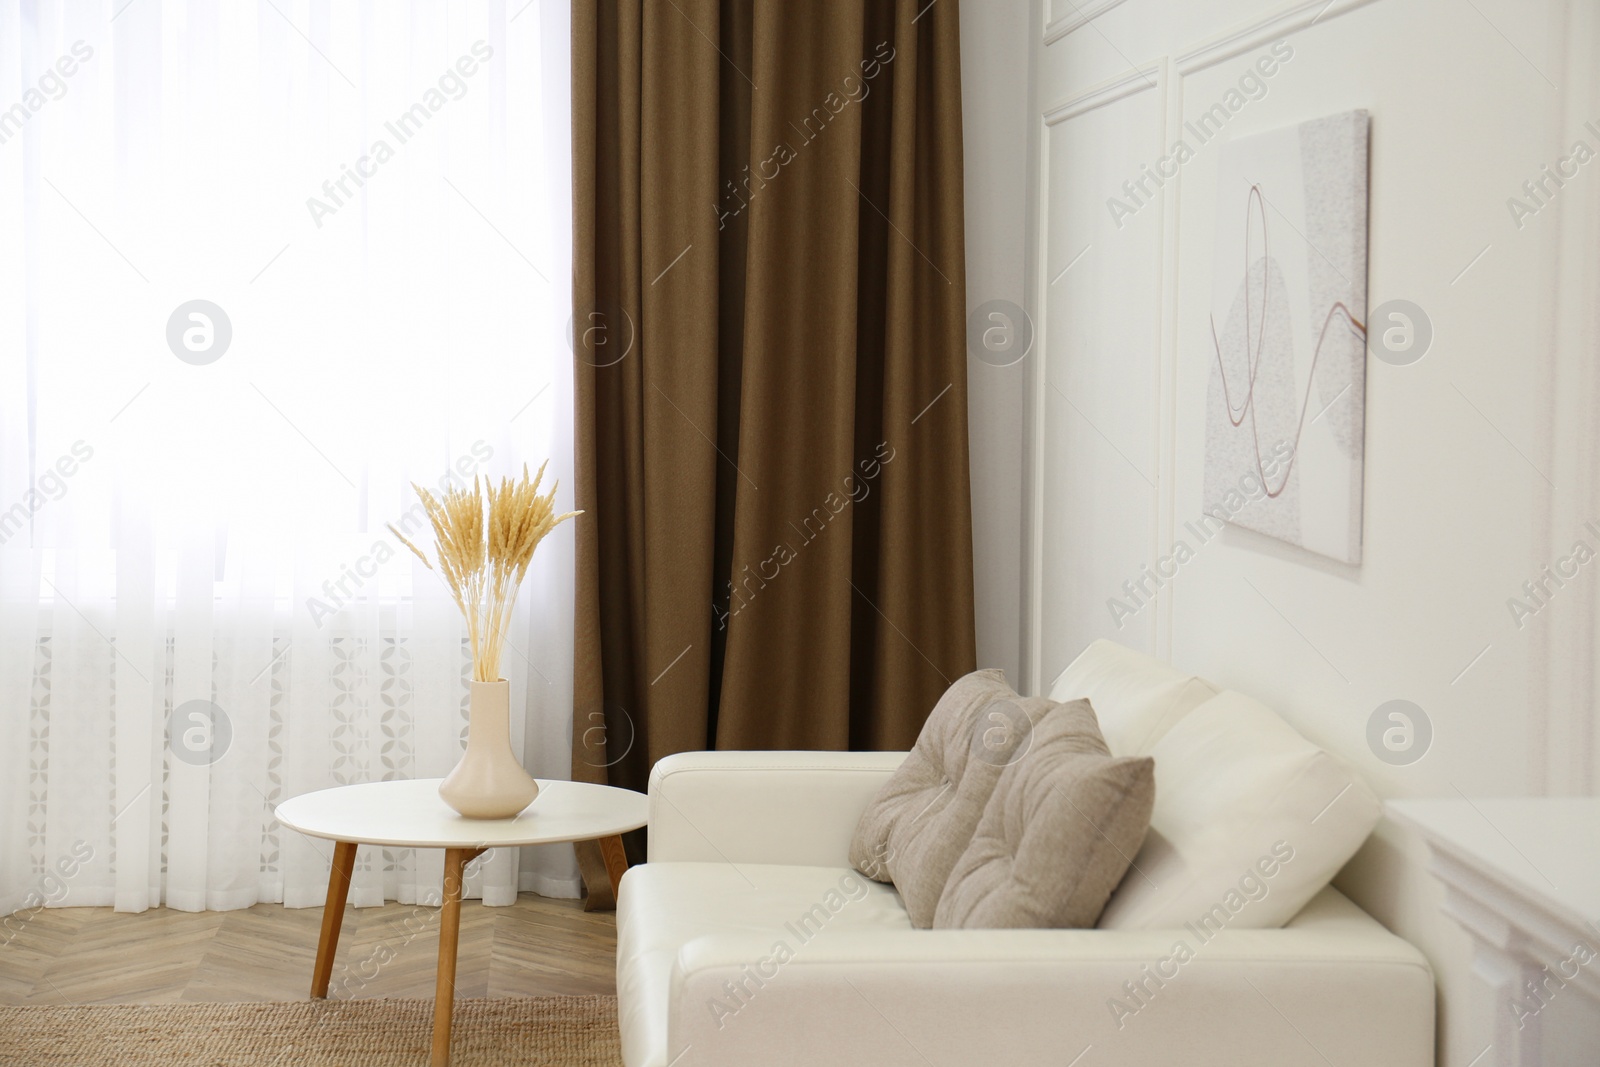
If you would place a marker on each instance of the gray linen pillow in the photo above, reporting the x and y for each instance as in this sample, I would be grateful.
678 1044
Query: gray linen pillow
1060 830
924 816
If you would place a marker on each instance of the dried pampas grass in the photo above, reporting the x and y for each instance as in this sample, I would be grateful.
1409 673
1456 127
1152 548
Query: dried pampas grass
485 540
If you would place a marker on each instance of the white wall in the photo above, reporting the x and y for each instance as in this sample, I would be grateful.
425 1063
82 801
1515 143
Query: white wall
1478 457
995 37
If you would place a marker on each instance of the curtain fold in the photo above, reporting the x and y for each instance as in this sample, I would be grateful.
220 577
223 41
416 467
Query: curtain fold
770 376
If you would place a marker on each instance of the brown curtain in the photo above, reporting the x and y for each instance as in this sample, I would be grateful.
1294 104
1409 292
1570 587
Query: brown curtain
771 376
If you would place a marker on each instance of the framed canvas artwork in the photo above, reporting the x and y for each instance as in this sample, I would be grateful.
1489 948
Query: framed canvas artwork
1286 401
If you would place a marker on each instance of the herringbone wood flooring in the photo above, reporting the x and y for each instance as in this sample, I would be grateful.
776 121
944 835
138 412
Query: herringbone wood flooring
536 947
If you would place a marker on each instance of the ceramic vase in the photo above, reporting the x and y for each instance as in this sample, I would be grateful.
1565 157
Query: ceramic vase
489 782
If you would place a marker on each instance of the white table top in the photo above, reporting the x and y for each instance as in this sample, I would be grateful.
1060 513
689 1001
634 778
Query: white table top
1542 848
409 814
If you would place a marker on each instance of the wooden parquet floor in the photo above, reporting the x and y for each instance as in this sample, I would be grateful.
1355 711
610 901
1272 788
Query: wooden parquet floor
536 947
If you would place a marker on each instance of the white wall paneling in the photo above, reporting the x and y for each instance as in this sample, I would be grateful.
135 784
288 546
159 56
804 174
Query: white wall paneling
1098 300
1564 696
1066 16
1481 465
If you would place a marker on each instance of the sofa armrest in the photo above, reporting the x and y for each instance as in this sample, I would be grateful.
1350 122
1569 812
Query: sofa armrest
796 808
1332 987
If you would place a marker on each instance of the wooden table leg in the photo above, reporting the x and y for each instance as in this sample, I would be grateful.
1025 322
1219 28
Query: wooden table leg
344 865
602 864
444 994
616 858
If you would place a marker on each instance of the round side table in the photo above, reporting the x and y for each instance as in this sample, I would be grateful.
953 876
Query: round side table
409 814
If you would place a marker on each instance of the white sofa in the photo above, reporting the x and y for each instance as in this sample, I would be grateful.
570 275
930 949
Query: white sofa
748 939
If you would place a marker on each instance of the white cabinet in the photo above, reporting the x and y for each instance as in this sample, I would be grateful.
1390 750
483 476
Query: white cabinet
1522 877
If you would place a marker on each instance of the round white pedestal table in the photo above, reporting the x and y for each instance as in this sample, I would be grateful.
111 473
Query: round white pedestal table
409 814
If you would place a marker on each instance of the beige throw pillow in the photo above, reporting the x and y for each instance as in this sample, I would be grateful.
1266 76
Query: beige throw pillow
923 818
1058 834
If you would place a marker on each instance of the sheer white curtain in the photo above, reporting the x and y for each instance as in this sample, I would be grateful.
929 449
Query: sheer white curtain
262 265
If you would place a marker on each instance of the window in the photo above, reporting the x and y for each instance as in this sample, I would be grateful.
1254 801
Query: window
264 264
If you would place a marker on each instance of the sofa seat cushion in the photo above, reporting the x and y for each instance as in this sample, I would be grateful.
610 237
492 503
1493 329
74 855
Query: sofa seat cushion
662 907
924 816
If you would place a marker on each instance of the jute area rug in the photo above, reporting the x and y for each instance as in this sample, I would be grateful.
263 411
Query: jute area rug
488 1032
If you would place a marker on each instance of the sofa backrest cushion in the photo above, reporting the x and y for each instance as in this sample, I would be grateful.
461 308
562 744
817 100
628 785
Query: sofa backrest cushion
1137 698
925 815
1250 822
1057 834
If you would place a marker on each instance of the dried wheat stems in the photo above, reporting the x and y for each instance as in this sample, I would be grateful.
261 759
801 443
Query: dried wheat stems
485 537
